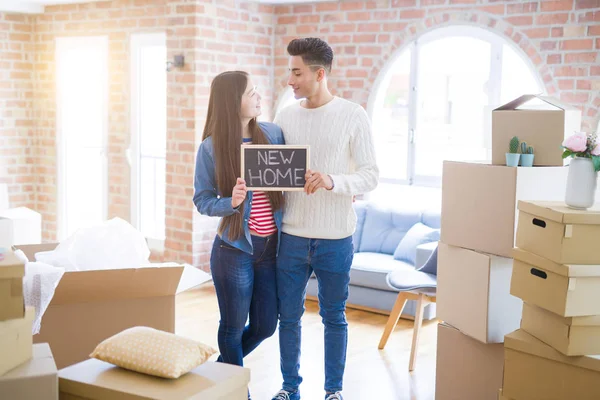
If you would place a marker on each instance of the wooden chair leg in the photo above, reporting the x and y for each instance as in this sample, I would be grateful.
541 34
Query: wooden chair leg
421 303
393 319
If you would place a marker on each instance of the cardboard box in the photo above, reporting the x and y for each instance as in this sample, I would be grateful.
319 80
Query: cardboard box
572 336
559 233
12 302
543 126
20 225
466 368
90 306
16 341
473 293
501 396
479 202
97 380
35 379
566 290
535 371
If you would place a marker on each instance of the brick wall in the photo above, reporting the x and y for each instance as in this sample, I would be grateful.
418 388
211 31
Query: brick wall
17 139
207 35
562 39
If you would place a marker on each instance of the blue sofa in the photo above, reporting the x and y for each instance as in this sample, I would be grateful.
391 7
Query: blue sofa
378 234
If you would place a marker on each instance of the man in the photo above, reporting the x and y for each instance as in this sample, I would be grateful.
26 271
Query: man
318 223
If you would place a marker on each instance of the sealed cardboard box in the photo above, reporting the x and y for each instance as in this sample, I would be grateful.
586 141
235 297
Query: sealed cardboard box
12 302
466 368
473 293
479 202
559 233
16 341
572 336
535 371
90 306
35 379
566 290
97 380
544 126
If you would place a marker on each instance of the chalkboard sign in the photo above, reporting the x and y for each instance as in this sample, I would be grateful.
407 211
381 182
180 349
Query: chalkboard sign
274 167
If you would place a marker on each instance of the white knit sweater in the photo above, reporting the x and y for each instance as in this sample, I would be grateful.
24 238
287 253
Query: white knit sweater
341 145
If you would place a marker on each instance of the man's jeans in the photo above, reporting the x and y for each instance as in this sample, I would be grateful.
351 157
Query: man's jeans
246 288
331 261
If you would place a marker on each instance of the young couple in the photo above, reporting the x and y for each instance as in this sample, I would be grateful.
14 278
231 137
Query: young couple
268 244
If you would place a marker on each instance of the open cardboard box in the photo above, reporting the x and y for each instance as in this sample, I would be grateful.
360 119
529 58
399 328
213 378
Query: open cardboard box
90 306
543 126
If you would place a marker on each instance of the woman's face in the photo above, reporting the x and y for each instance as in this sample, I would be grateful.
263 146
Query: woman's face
250 101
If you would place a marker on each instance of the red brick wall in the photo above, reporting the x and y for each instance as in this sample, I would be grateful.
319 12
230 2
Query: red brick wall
212 38
17 139
561 37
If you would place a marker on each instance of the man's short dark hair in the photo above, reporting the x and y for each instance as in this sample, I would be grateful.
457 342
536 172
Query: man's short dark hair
314 52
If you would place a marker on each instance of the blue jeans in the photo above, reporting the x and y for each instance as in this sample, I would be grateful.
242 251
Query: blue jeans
246 288
331 261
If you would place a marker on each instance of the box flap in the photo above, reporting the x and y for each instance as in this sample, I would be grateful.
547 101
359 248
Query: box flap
117 284
519 101
559 212
30 249
570 270
557 103
520 340
11 266
95 379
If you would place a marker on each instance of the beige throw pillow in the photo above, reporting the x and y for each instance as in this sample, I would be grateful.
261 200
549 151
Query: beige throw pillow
153 352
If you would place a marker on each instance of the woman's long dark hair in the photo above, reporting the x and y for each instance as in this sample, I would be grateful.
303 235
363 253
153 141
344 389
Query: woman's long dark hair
223 123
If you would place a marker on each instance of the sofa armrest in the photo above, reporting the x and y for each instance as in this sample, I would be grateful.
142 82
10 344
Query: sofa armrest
424 252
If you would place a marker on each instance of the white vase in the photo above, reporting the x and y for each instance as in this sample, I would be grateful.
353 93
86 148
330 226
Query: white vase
581 183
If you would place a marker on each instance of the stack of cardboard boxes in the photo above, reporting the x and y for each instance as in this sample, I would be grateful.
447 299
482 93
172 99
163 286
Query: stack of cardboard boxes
557 275
27 371
475 258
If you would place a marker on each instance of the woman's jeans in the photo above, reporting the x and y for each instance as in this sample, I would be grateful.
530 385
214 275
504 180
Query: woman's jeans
246 287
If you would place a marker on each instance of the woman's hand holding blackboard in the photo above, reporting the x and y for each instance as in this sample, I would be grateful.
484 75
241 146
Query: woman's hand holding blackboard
238 194
316 180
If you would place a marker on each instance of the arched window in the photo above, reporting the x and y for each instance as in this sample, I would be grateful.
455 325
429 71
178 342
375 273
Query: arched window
433 102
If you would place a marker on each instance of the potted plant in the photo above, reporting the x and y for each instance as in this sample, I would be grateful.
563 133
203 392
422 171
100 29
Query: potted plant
513 156
526 155
584 150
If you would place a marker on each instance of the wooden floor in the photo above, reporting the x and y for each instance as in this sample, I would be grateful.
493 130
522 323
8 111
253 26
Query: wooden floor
371 374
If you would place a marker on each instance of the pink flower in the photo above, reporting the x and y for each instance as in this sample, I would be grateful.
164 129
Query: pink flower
577 142
596 150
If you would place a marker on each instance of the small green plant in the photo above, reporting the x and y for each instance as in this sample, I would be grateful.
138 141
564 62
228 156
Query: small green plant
525 149
529 149
514 145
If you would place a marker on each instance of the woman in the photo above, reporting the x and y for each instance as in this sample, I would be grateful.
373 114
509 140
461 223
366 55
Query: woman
243 254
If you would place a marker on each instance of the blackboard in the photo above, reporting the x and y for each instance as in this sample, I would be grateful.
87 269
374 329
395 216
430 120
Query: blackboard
274 167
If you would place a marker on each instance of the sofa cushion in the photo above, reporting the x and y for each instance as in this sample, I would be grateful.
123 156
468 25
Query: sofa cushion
371 269
417 235
360 208
432 218
384 228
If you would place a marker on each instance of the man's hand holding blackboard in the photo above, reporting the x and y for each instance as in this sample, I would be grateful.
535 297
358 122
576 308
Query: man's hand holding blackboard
238 194
316 180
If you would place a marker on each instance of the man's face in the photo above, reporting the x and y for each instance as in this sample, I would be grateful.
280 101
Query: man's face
302 79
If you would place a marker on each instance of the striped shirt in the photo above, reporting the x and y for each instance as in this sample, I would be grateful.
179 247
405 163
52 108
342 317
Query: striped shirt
261 215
